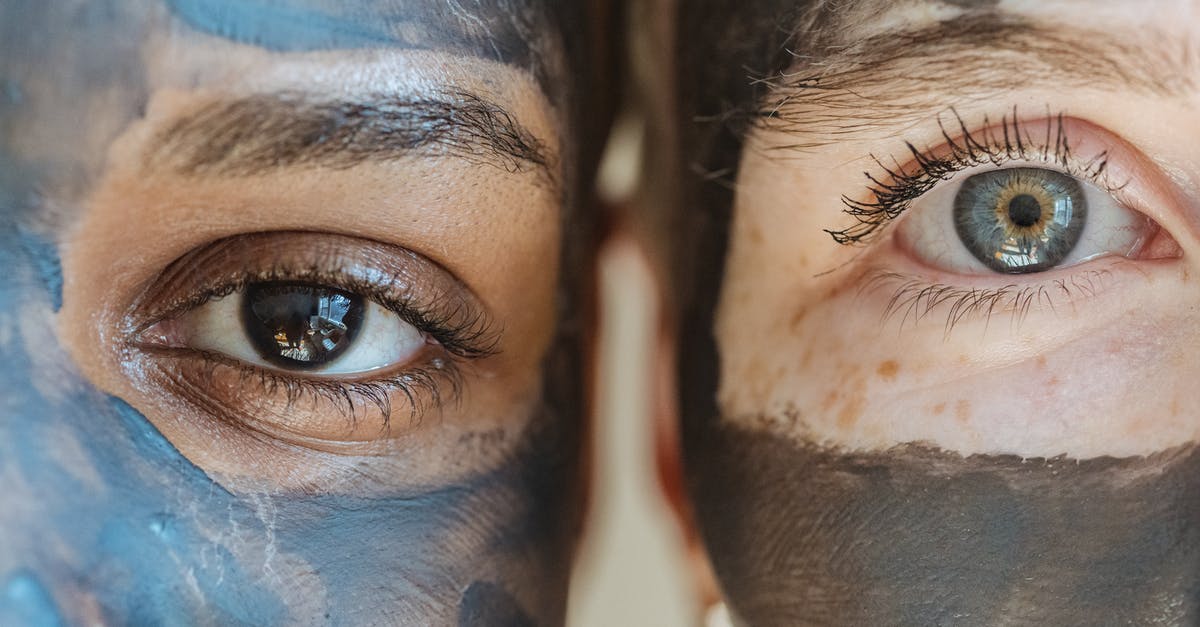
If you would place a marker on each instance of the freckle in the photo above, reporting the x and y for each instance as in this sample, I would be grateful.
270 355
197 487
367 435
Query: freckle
888 369
830 399
850 412
1174 407
798 318
755 236
962 410
938 409
1041 361
963 360
1053 382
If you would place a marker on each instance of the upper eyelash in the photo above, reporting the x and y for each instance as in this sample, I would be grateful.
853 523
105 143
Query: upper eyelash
474 337
895 190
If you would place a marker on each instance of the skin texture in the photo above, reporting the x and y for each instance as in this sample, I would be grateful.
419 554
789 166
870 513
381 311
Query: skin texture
153 486
859 455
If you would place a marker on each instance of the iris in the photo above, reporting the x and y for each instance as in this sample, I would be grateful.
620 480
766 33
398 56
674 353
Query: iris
297 325
1020 220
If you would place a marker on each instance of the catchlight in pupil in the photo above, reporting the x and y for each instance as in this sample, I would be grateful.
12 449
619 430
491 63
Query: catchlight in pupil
1020 220
299 326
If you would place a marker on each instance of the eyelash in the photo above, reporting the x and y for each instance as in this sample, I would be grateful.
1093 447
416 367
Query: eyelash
913 298
468 339
895 190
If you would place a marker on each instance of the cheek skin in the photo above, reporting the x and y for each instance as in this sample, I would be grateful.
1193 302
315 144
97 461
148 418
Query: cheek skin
109 524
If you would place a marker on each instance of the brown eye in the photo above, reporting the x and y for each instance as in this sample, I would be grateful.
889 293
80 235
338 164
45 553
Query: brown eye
300 326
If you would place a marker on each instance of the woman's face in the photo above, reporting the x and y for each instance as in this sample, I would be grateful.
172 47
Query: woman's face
955 322
281 282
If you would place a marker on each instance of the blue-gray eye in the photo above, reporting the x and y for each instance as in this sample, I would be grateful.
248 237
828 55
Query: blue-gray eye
1020 220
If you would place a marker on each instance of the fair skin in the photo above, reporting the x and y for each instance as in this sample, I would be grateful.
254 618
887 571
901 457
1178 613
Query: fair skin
878 425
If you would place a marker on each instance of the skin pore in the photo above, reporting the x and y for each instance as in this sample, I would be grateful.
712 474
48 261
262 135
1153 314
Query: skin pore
158 159
898 434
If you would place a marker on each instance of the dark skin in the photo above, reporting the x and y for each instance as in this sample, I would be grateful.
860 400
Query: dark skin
162 471
844 472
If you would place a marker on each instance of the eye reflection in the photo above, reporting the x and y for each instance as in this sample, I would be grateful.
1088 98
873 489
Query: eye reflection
300 326
1020 220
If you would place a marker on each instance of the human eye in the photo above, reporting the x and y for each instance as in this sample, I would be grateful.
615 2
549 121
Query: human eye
329 335
985 219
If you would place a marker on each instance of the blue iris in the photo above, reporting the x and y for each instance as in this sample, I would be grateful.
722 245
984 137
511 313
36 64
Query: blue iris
1020 220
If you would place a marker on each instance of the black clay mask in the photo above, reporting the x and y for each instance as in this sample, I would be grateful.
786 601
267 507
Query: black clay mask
917 536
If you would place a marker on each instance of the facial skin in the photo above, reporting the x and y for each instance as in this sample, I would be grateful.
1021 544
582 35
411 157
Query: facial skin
881 429
158 160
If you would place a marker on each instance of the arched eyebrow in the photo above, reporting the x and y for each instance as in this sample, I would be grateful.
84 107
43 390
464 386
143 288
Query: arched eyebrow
893 79
256 134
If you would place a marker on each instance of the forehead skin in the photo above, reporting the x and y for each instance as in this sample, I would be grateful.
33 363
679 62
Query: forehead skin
107 522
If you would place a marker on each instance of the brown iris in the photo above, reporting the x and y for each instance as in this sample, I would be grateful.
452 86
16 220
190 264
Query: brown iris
298 325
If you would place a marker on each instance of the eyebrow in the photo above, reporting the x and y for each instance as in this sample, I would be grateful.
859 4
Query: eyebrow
268 132
896 79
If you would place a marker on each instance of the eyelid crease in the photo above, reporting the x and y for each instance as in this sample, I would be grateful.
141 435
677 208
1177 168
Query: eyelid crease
898 186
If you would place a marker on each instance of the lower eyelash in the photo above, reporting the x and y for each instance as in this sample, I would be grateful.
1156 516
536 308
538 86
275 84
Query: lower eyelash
429 386
913 299
894 191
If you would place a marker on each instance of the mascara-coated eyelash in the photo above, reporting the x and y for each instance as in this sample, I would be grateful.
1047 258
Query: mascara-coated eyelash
893 191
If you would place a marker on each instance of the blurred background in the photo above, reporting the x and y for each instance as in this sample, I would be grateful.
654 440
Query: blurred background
632 568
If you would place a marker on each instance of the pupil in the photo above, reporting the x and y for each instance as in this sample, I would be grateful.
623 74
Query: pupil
1024 210
298 325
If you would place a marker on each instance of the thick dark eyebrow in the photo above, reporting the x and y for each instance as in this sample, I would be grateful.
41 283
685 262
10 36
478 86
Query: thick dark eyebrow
262 133
895 79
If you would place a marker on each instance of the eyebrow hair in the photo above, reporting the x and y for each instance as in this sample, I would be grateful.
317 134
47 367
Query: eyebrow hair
898 78
263 133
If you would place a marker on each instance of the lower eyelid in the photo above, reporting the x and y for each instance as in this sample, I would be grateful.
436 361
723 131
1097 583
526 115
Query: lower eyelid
302 409
909 299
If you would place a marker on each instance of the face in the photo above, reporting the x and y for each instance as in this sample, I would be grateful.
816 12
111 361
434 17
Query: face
937 363
293 291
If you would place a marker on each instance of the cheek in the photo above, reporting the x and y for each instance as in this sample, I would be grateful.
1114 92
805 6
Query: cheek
829 365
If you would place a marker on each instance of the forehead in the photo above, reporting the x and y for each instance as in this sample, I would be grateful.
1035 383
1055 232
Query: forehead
527 34
74 75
